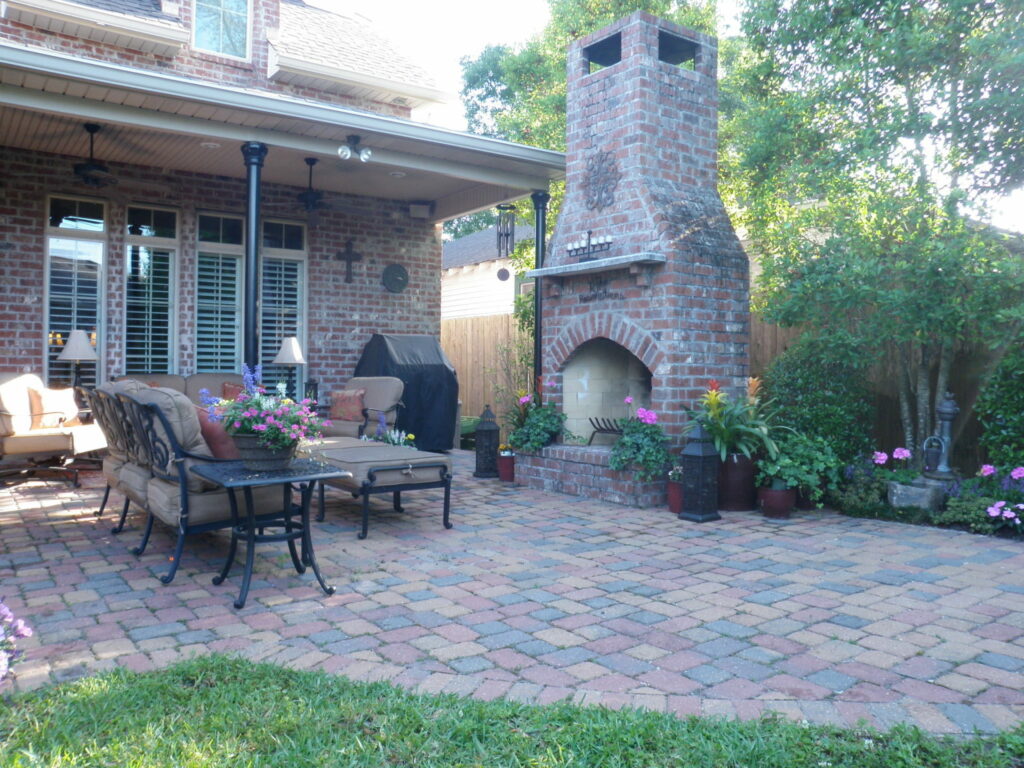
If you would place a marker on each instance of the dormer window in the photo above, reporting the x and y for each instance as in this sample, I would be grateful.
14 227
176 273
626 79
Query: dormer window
222 26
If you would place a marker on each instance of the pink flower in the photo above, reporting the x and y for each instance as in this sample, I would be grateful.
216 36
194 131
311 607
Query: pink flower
996 509
549 383
901 454
987 470
1009 514
238 425
880 457
1017 473
628 400
21 629
525 399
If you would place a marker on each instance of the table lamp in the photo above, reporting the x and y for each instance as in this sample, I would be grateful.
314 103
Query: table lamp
77 350
290 354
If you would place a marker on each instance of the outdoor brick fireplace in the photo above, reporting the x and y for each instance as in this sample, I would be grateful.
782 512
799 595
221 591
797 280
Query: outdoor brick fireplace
645 288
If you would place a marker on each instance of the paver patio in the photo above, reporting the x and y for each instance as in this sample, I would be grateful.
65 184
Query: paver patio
540 597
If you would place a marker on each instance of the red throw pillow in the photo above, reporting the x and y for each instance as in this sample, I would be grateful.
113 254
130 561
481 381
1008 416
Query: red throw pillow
230 390
220 442
347 404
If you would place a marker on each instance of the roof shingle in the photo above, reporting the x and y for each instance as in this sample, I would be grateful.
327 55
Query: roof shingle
478 247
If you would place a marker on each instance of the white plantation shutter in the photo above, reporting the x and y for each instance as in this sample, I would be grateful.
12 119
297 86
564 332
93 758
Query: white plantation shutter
148 311
281 317
75 270
218 313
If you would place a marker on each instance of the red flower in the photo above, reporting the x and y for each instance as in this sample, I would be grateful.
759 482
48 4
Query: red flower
714 386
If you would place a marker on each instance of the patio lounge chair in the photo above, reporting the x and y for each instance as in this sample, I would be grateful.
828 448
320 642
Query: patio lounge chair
164 424
380 395
40 428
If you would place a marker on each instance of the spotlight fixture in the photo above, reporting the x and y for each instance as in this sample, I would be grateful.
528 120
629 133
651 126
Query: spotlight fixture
352 149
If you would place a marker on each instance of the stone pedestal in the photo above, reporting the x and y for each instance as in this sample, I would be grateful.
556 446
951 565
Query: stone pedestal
922 493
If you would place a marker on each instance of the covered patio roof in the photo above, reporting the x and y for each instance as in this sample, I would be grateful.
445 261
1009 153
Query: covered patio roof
167 121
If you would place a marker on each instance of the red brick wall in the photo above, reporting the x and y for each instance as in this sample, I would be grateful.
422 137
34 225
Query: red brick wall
688 319
200 65
582 471
341 317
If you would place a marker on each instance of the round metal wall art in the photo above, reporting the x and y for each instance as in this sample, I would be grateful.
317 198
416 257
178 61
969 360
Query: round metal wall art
395 278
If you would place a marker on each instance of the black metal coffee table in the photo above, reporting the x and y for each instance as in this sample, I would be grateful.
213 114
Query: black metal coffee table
304 473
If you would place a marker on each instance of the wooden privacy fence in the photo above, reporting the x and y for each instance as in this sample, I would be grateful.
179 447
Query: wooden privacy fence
472 343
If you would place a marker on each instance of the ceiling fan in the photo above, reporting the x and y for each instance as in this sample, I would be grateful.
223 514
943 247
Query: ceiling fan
93 173
314 201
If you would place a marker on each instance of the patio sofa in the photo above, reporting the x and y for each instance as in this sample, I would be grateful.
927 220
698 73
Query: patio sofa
160 439
356 408
192 385
40 428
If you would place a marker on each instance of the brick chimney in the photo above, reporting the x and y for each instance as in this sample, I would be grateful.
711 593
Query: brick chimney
646 285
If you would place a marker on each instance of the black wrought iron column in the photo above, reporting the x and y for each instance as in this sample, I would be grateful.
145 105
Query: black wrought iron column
540 211
253 152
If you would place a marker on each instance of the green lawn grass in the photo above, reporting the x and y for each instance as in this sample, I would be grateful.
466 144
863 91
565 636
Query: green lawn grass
224 711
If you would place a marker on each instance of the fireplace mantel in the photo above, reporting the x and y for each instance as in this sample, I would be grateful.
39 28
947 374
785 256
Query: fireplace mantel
629 261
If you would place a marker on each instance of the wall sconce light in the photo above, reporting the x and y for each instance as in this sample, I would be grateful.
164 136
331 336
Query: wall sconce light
77 350
352 149
585 250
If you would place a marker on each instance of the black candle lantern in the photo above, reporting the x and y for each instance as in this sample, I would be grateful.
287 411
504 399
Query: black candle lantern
486 445
699 461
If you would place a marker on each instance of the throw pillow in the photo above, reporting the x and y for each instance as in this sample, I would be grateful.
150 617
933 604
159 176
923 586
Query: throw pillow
230 391
53 408
347 404
216 437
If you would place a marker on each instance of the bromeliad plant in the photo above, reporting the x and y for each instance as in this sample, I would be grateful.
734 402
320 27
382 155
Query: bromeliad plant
278 421
643 445
741 426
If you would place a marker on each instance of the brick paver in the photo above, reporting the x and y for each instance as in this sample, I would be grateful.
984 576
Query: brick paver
541 597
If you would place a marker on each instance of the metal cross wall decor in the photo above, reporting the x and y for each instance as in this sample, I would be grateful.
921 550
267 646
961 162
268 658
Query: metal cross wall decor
348 256
602 179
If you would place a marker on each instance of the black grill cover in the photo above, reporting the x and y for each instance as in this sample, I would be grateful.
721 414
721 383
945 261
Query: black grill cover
431 394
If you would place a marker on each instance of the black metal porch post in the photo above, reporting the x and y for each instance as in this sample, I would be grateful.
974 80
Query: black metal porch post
253 152
540 209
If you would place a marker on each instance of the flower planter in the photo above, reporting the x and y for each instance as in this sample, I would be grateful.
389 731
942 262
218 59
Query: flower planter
776 503
259 458
674 489
507 468
736 491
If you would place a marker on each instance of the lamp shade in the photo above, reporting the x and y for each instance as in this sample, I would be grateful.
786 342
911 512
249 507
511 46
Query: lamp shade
77 348
290 353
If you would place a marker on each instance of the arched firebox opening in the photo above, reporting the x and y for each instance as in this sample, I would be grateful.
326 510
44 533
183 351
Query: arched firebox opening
596 380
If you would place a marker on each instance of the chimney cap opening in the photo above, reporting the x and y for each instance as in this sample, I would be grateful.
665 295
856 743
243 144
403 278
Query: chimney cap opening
604 53
676 50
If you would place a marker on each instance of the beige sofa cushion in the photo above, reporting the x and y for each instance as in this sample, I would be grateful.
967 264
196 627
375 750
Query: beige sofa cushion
360 456
39 442
53 407
135 482
169 380
382 393
181 415
208 506
14 400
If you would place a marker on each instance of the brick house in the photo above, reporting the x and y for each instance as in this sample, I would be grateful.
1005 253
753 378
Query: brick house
154 241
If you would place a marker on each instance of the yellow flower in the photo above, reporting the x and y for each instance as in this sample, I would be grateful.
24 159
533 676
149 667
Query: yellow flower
410 436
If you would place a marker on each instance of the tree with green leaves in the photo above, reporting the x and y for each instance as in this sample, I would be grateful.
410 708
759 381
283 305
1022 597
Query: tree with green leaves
861 137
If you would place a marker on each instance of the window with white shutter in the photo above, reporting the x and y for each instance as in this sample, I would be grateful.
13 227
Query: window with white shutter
149 291
219 294
76 237
283 305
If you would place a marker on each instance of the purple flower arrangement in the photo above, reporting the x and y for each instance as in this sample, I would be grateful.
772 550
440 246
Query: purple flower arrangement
277 420
11 630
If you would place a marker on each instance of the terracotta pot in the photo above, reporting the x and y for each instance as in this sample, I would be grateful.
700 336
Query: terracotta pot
675 496
507 468
776 502
736 489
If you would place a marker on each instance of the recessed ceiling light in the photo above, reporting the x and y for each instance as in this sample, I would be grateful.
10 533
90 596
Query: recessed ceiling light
209 145
396 174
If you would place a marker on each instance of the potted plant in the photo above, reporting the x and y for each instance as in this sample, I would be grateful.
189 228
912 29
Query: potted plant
674 489
739 430
506 463
801 463
541 426
642 445
266 428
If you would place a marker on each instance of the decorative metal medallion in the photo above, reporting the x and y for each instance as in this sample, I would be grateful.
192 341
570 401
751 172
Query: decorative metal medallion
602 179
395 278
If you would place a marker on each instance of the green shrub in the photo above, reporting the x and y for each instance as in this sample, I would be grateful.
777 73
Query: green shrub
861 492
542 426
1000 410
972 513
817 387
803 462
642 445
